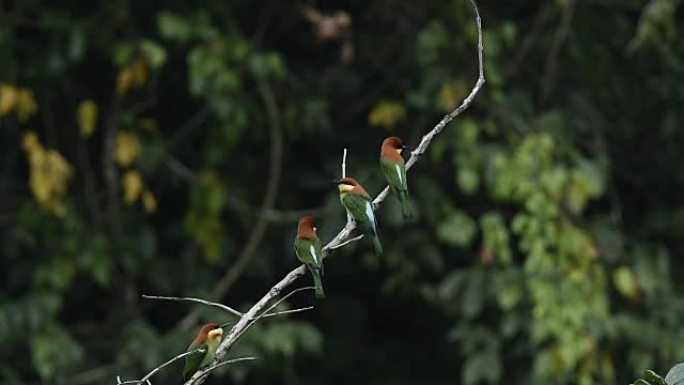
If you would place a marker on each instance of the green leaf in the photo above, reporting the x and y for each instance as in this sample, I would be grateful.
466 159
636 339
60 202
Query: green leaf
468 180
626 283
457 230
387 114
654 378
123 53
265 66
53 352
482 367
431 41
155 53
173 26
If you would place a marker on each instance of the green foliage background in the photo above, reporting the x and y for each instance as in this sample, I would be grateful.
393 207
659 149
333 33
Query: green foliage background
139 140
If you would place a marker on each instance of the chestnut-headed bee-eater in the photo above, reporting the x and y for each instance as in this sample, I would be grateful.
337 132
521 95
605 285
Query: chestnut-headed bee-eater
392 165
358 203
208 340
308 249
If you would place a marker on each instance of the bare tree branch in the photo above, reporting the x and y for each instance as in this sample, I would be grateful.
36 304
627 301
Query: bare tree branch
260 316
231 361
559 39
198 300
256 312
348 241
343 237
245 321
284 312
158 368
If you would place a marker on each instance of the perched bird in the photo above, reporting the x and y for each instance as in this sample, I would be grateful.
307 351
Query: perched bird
308 249
208 340
392 165
356 200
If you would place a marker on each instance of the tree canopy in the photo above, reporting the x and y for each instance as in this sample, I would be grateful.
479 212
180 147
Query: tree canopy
169 148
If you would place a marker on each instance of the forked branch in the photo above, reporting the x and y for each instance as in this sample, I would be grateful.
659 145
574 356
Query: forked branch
344 236
257 312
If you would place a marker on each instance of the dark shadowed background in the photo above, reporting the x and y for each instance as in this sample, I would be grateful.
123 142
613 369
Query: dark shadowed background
169 147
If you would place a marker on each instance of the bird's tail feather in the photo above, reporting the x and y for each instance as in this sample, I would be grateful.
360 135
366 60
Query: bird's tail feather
377 245
318 283
405 205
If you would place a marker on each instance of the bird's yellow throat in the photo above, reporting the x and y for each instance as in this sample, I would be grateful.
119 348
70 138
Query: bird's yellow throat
215 334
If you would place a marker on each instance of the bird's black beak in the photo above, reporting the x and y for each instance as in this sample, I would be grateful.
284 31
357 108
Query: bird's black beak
405 147
226 324
335 182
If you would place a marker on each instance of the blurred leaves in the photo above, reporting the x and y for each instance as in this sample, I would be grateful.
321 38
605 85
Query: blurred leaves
386 114
49 174
203 221
545 245
128 148
86 116
19 100
54 351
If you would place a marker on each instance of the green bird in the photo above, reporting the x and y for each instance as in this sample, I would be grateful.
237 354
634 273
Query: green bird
208 340
392 165
358 204
308 249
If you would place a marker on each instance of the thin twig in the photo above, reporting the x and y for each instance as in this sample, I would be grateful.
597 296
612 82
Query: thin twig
272 215
180 136
528 43
232 361
268 203
198 300
183 171
284 312
244 322
158 368
344 175
278 302
344 163
348 241
559 39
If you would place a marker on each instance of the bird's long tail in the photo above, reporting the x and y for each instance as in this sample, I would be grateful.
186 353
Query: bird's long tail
405 205
376 244
318 283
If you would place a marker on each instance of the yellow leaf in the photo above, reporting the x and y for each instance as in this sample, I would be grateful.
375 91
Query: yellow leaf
127 148
30 141
387 114
49 174
149 201
86 115
627 283
26 105
8 99
139 68
132 185
450 95
124 80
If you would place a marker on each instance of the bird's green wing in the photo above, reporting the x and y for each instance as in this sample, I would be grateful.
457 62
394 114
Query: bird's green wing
309 252
361 209
193 361
395 173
